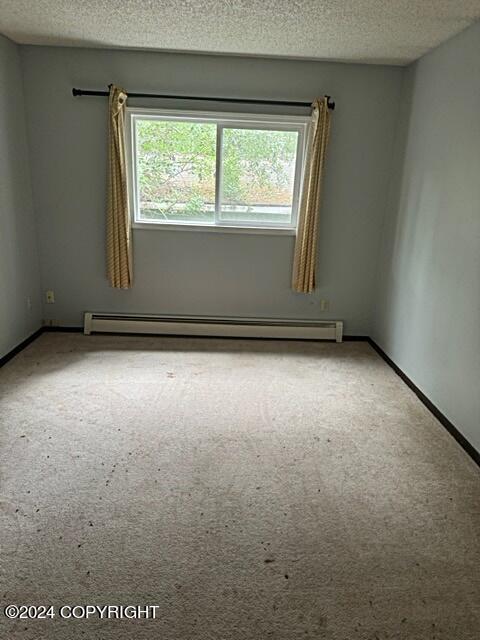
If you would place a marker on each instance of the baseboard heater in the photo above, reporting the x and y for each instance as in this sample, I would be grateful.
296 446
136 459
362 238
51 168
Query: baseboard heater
214 326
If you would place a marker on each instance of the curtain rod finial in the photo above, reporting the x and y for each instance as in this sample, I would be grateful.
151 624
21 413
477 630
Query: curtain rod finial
330 102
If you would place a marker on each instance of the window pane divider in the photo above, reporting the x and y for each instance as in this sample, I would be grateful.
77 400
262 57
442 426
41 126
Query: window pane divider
218 173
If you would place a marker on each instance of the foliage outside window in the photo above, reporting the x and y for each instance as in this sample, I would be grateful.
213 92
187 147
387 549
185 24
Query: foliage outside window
207 169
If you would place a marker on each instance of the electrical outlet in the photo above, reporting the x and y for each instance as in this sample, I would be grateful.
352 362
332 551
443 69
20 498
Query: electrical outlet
324 305
50 297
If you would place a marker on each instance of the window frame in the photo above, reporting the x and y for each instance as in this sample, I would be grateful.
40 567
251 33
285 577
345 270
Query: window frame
222 120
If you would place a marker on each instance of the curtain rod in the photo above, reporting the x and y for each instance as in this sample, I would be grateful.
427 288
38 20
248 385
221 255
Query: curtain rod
284 103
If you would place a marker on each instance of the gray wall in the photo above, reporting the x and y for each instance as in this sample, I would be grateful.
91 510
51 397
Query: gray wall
205 273
20 307
428 316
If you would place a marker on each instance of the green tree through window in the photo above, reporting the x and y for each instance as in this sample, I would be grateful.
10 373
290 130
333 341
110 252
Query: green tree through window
176 172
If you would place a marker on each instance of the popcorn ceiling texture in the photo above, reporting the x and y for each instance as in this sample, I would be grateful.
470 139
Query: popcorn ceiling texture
371 31
251 489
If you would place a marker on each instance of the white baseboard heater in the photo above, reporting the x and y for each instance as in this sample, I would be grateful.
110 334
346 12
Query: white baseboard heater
213 326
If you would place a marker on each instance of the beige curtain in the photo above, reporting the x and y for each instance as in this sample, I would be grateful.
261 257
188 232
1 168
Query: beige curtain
305 256
119 240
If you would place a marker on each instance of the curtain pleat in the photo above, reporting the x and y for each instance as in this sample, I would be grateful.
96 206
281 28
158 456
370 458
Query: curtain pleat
119 240
305 256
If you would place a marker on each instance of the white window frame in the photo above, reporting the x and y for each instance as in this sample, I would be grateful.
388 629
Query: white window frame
298 124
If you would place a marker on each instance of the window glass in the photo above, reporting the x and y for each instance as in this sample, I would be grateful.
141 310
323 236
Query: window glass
176 171
258 174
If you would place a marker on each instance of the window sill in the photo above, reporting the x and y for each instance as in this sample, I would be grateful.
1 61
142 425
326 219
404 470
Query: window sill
271 231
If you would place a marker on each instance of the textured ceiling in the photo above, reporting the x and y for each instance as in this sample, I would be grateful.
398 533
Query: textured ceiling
373 31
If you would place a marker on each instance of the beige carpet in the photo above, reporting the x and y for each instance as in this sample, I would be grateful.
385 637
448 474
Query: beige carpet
250 489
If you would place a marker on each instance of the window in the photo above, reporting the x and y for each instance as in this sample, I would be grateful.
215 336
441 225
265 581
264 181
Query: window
215 170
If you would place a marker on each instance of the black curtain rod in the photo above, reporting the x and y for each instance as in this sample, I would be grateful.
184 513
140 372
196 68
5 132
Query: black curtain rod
283 103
